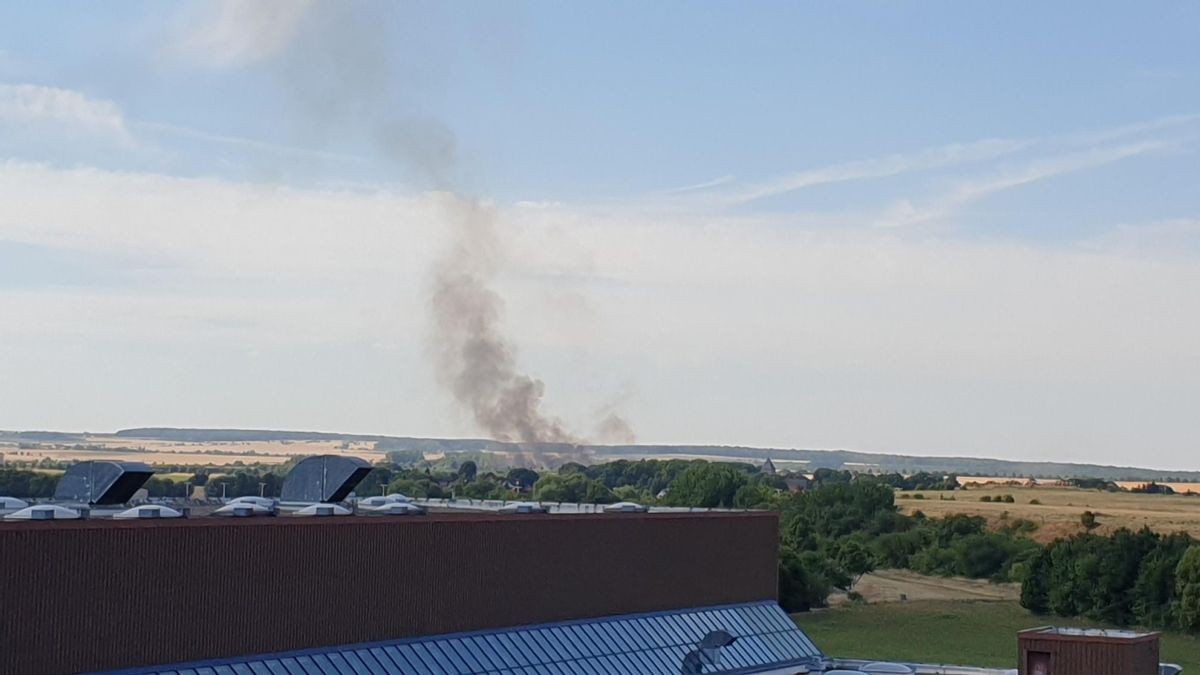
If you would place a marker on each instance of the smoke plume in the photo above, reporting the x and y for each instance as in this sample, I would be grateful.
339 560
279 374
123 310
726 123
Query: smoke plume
358 72
475 359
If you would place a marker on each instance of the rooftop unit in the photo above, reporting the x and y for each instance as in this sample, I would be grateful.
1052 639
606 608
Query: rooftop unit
1076 651
102 482
45 512
323 478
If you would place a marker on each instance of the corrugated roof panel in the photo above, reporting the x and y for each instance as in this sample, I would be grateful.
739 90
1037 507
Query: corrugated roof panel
648 644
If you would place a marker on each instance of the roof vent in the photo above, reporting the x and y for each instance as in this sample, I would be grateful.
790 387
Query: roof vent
11 504
323 478
45 512
242 510
265 502
394 498
148 511
522 507
626 507
102 482
324 510
395 509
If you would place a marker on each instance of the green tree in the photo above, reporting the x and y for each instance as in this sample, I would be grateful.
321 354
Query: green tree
854 558
706 485
468 471
1187 585
523 478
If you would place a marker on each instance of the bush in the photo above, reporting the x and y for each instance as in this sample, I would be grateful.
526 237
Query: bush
1088 520
1035 502
1009 499
918 496
986 498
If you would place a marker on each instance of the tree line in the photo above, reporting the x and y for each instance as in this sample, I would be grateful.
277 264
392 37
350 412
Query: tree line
1127 578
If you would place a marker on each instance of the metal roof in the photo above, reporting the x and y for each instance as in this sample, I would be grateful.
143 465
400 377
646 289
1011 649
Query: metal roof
102 482
639 644
323 478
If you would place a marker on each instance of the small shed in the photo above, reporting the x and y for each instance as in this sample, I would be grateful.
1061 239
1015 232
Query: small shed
1085 651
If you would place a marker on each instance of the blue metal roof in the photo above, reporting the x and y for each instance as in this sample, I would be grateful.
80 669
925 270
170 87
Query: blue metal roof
640 644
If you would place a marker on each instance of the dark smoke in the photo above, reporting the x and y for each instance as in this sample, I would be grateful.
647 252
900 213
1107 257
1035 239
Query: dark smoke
361 71
475 359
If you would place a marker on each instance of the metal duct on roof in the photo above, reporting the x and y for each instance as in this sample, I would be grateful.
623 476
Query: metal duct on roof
102 482
323 478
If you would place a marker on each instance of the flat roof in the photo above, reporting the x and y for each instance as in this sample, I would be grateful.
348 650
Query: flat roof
365 520
1087 634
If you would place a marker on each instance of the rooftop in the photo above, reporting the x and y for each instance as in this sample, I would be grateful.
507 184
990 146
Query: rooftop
1107 634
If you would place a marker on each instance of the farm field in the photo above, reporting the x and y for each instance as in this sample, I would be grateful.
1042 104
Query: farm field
953 632
1060 509
210 454
893 585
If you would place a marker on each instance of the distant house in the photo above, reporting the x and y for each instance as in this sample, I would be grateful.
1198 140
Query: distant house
798 484
768 467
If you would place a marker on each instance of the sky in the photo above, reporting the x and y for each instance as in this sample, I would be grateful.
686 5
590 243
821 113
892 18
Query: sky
927 228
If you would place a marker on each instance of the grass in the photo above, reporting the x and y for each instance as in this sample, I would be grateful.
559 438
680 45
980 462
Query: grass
952 632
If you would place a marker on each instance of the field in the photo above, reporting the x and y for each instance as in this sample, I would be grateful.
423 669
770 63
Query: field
1181 488
208 454
895 585
957 632
1060 509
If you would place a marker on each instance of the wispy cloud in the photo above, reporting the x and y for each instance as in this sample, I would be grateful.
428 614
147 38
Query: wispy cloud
1097 144
697 187
880 167
235 33
36 104
905 212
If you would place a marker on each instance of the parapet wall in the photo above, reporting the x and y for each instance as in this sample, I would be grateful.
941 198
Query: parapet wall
89 595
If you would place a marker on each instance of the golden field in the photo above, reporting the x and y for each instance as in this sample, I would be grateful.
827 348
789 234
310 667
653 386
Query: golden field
208 454
1059 512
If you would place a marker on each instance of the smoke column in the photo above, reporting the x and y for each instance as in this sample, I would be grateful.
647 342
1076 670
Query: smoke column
355 71
475 359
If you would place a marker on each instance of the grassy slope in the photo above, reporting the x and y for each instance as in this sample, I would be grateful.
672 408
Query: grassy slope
964 633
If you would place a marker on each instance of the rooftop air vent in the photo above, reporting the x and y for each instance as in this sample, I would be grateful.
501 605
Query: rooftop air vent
323 478
395 509
394 498
102 482
522 507
45 512
264 502
11 504
626 507
148 511
242 510
324 510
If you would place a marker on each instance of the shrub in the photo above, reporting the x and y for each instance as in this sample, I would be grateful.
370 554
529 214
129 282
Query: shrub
1035 502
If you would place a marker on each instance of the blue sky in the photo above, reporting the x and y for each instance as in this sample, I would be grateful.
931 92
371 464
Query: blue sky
905 227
